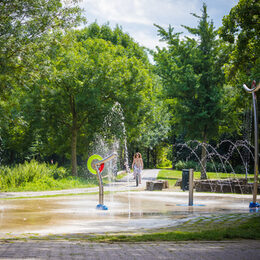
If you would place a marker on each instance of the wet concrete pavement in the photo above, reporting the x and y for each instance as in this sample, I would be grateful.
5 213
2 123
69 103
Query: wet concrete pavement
75 213
130 209
127 212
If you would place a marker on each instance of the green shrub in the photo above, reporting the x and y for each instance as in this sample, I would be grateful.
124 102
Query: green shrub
35 176
180 165
29 172
58 172
84 173
240 169
165 164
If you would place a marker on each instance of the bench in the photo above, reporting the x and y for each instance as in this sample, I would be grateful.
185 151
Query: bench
157 185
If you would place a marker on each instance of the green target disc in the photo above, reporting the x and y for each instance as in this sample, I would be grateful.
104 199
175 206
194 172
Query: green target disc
91 160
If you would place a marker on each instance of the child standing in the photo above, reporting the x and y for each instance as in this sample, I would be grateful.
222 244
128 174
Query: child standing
137 166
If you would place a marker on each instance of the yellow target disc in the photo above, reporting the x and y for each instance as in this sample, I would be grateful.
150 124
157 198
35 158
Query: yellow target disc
91 160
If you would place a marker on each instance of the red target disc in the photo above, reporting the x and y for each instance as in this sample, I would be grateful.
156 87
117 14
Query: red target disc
101 167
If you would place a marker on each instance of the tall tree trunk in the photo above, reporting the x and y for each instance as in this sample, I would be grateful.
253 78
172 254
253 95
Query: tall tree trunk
203 157
155 157
74 133
148 157
74 151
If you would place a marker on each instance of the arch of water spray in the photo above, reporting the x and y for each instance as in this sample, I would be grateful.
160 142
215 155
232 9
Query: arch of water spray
224 159
212 152
221 163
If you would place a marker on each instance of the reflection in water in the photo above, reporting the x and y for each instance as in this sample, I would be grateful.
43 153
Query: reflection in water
1 214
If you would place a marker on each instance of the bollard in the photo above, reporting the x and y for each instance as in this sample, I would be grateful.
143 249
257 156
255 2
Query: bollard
191 187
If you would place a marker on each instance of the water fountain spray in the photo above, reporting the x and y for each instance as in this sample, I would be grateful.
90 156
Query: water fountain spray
253 90
95 165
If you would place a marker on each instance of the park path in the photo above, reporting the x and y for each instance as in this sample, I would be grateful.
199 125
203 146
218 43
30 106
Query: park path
213 250
125 183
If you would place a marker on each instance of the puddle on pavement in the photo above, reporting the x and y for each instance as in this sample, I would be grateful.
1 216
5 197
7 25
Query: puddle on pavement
128 211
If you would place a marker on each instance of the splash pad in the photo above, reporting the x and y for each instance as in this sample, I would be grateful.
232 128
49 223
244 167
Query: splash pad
136 211
130 211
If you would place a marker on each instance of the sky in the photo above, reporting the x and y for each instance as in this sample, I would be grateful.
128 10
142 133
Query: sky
137 17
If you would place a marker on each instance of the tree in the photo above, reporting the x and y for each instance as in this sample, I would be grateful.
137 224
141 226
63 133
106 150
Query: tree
152 132
23 23
241 28
84 81
193 80
22 28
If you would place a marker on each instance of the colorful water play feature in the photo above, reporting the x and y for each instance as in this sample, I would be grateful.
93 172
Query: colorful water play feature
95 165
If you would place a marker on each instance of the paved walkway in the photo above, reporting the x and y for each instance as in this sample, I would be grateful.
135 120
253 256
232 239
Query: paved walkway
231 250
119 185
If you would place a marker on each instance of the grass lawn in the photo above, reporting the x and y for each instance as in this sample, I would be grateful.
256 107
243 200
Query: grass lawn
172 176
248 229
51 184
121 175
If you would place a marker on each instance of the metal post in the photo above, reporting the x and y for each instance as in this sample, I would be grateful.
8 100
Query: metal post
253 91
108 158
256 147
191 187
101 189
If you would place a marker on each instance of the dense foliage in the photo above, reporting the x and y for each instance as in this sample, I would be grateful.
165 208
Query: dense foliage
193 79
58 84
241 28
23 23
39 176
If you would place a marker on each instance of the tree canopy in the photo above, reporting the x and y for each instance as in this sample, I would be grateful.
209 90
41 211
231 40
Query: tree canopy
24 22
78 82
241 28
193 79
58 82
